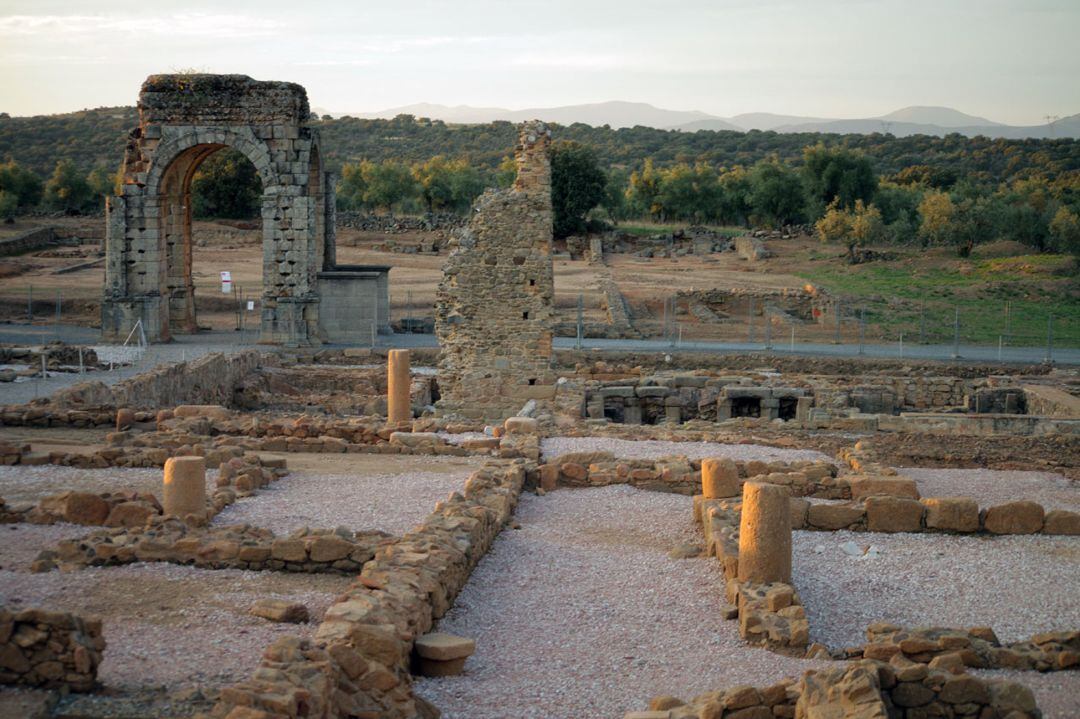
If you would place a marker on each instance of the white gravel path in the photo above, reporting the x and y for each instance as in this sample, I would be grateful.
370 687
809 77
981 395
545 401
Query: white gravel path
582 613
172 625
389 502
651 449
21 543
989 487
1017 585
22 484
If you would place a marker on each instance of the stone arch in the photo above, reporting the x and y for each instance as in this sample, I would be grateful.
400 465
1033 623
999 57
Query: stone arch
183 119
245 143
168 191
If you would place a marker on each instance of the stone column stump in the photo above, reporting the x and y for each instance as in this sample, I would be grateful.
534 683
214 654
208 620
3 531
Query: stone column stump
765 534
185 487
719 478
398 384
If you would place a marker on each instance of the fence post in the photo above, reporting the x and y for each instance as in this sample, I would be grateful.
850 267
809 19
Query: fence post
862 328
922 323
750 320
56 324
956 334
581 318
839 312
30 304
1050 338
792 337
768 331
1008 320
901 345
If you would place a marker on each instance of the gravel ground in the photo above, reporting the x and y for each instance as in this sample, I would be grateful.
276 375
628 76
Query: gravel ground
20 544
1057 693
582 613
990 487
392 502
20 484
172 625
1017 585
651 449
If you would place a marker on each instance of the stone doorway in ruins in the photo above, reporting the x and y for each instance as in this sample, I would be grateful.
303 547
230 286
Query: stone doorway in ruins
183 120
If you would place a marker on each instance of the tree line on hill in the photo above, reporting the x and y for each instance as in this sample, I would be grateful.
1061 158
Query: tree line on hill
854 189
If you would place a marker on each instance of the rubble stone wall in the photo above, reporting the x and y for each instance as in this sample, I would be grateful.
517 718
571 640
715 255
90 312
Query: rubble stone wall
39 648
357 665
207 380
24 242
495 304
1051 402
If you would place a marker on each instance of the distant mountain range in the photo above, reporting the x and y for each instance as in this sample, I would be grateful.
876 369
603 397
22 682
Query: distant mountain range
915 120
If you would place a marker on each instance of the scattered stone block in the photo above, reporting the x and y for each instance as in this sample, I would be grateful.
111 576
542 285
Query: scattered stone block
130 514
834 516
125 417
279 610
893 514
862 487
1061 521
951 514
1021 517
77 507
520 425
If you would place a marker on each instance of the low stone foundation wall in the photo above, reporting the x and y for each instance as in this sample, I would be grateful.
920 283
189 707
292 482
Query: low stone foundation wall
237 477
241 546
865 689
977 648
683 476
984 425
39 648
951 515
358 663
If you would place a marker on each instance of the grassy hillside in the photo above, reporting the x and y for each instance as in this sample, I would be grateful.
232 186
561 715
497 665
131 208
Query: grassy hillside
914 284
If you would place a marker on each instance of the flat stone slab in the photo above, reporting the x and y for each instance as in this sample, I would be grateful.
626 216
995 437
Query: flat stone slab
444 647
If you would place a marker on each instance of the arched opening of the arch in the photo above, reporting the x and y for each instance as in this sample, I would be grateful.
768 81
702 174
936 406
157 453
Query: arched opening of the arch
192 189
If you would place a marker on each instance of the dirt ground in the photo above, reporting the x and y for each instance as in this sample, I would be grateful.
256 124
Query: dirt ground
414 278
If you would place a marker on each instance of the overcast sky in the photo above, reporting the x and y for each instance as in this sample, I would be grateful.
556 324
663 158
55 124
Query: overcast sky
1012 61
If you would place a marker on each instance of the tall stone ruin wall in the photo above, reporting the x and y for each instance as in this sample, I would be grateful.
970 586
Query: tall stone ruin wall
494 313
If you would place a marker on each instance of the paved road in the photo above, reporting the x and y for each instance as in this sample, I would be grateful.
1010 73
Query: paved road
968 353
192 346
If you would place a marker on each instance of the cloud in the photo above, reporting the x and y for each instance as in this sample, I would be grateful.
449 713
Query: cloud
180 24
